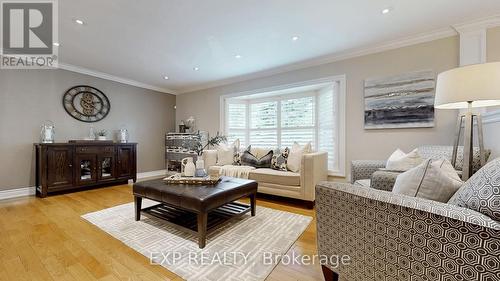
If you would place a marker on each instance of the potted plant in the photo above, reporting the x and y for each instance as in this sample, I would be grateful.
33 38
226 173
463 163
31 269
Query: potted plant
198 147
101 135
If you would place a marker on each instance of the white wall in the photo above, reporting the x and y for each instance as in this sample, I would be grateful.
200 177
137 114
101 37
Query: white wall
28 97
439 55
492 130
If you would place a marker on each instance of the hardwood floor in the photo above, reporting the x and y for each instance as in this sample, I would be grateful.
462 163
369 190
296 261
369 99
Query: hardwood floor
45 239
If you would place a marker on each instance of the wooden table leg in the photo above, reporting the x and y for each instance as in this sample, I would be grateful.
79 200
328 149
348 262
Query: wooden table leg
138 205
252 203
202 229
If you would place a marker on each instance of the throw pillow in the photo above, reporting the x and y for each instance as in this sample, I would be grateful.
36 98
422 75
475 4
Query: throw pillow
279 159
402 162
481 192
248 159
295 156
225 153
434 180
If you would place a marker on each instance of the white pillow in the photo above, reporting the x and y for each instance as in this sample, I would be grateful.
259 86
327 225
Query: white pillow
225 153
434 180
402 162
295 156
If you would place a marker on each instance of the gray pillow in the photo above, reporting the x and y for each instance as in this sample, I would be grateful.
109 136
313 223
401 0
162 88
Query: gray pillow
433 180
248 159
481 192
280 159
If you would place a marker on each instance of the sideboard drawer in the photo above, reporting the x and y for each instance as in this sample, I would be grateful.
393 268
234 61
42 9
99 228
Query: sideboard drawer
107 149
95 149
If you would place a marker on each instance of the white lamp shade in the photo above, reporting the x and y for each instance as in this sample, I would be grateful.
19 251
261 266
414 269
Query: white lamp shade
479 83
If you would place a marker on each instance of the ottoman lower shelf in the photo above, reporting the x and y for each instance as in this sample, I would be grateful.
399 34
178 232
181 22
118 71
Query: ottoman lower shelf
196 208
188 221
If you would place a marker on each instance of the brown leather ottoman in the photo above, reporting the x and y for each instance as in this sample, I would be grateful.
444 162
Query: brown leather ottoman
194 207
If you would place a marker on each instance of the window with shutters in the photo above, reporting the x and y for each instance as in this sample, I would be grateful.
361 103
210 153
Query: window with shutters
278 119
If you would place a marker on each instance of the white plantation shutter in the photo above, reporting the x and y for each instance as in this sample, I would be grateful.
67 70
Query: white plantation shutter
264 139
236 122
264 115
302 136
279 121
297 121
327 104
297 112
237 114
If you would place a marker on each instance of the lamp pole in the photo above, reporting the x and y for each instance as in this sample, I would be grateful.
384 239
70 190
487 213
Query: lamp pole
468 152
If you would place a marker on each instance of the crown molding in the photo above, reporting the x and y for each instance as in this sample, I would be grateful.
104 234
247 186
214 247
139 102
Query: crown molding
486 22
114 78
106 76
479 24
352 53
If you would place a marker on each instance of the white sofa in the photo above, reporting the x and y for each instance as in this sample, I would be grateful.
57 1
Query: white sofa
314 168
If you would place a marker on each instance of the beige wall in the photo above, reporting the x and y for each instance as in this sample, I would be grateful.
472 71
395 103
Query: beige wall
28 97
437 55
492 130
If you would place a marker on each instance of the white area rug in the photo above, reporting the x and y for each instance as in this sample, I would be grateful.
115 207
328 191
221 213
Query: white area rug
247 248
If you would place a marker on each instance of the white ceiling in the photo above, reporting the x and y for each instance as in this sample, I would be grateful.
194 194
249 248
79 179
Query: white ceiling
146 40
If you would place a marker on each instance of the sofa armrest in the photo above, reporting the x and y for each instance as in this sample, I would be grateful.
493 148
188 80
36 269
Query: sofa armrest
363 169
384 180
209 156
314 169
386 233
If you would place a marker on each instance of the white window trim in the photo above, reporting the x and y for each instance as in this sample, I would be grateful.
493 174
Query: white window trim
341 137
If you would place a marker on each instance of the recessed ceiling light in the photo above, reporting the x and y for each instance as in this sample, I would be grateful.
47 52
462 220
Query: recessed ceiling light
295 38
165 77
196 68
79 21
238 56
386 11
56 44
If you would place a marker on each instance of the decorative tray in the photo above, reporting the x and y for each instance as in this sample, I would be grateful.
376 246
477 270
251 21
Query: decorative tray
179 179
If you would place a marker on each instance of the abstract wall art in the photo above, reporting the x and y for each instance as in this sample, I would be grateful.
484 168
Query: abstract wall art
400 101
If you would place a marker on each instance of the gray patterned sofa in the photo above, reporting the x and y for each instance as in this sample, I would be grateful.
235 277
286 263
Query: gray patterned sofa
371 173
395 237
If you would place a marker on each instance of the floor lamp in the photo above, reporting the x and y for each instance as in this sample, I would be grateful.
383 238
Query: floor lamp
468 87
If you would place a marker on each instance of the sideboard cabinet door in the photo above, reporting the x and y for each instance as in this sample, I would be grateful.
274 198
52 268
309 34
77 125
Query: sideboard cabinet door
125 164
59 166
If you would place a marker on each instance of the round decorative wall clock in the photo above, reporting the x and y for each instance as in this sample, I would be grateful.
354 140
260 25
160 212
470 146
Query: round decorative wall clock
85 103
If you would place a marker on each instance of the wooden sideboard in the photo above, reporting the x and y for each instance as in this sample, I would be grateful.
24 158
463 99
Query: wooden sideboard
65 166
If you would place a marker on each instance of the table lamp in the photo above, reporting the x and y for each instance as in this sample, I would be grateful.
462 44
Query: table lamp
468 87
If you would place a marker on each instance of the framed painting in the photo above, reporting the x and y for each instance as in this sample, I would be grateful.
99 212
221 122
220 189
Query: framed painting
400 101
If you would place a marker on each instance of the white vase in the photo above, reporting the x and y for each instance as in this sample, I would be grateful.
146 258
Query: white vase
200 168
101 138
188 167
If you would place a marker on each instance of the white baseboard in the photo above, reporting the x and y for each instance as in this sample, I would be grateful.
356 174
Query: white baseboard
18 192
30 191
151 174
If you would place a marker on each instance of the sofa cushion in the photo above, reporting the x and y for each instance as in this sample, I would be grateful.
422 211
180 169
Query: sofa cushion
267 175
482 191
402 162
248 159
363 183
434 180
280 159
294 159
226 152
259 152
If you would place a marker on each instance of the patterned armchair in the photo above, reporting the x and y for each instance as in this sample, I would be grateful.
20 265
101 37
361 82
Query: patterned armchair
395 237
371 173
